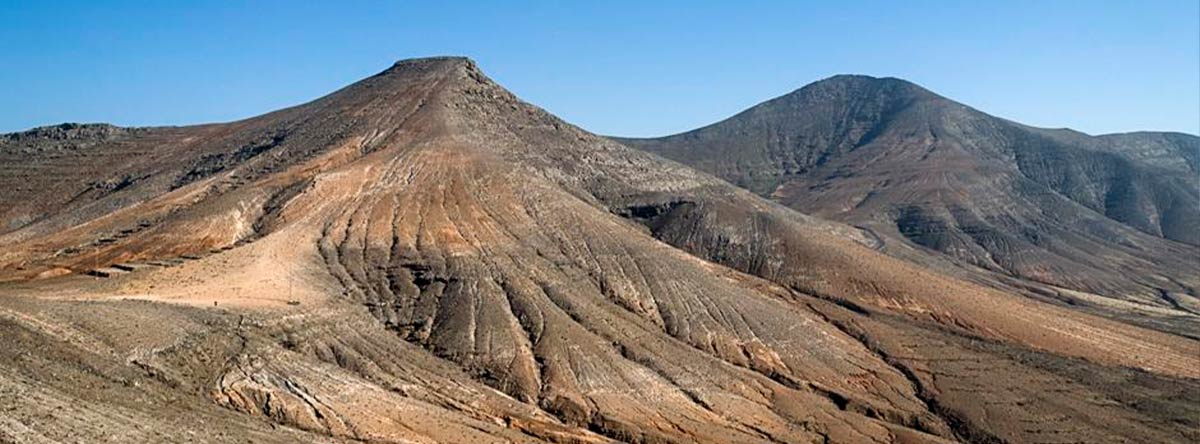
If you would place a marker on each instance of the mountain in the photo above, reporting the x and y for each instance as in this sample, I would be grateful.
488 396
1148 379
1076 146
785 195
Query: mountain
423 257
1064 212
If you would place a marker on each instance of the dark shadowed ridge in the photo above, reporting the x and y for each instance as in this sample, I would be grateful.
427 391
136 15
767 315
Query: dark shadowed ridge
1112 215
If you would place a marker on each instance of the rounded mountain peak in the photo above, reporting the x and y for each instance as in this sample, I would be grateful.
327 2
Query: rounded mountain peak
861 86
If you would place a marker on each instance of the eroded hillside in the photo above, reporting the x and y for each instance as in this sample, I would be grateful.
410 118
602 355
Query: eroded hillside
423 257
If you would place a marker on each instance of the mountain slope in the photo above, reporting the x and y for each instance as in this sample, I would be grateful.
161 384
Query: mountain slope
1111 215
423 257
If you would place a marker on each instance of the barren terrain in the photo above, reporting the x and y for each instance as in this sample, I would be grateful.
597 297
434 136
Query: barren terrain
423 257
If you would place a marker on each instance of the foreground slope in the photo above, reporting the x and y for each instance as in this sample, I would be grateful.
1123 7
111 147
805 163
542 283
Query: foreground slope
1111 215
423 257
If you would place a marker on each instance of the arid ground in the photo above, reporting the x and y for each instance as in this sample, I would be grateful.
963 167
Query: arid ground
422 257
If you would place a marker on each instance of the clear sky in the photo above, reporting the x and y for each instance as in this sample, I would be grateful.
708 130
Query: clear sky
619 68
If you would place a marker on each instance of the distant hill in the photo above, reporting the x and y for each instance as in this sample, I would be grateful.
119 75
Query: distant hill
1115 215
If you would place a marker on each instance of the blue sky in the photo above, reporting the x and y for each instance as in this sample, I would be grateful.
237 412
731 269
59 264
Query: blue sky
621 68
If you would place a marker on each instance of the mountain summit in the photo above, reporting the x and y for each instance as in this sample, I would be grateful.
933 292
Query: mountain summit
423 257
